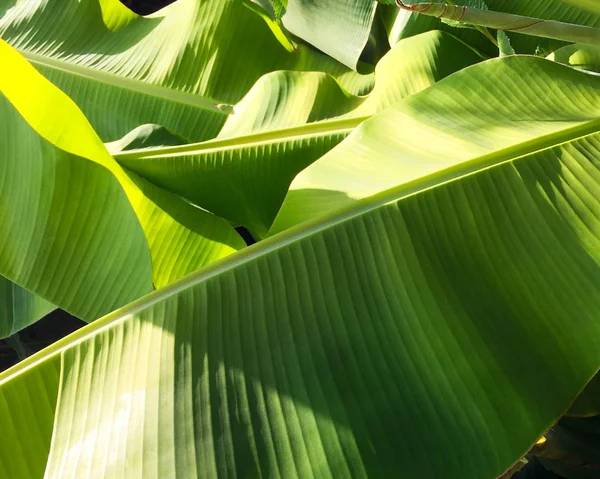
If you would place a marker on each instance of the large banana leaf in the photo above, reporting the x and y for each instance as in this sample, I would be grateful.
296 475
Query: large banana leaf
416 333
68 232
19 308
284 123
77 209
179 68
440 132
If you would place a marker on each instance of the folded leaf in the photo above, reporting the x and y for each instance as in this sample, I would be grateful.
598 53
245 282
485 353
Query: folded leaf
145 136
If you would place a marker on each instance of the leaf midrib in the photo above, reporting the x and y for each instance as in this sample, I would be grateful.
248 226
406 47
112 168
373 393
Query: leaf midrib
308 228
327 127
138 86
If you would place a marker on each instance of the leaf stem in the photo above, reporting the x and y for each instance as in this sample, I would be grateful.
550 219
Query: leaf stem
484 31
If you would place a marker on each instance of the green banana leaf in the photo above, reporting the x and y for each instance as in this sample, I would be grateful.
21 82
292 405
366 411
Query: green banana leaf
19 308
478 17
174 239
287 121
524 105
415 333
179 68
68 232
568 11
545 9
339 28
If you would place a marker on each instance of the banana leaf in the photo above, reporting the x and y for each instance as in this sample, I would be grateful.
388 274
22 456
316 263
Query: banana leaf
179 68
414 333
339 28
287 121
65 215
524 105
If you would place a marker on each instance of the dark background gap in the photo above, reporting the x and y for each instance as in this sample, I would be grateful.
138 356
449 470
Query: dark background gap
46 331
146 7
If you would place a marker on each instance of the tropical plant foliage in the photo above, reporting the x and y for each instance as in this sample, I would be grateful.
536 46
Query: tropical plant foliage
423 298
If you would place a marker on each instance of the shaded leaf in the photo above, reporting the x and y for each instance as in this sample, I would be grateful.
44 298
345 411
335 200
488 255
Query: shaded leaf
146 136
19 308
587 403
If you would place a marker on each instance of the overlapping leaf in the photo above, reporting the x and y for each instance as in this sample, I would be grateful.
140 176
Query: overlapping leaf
179 236
68 232
287 121
179 68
